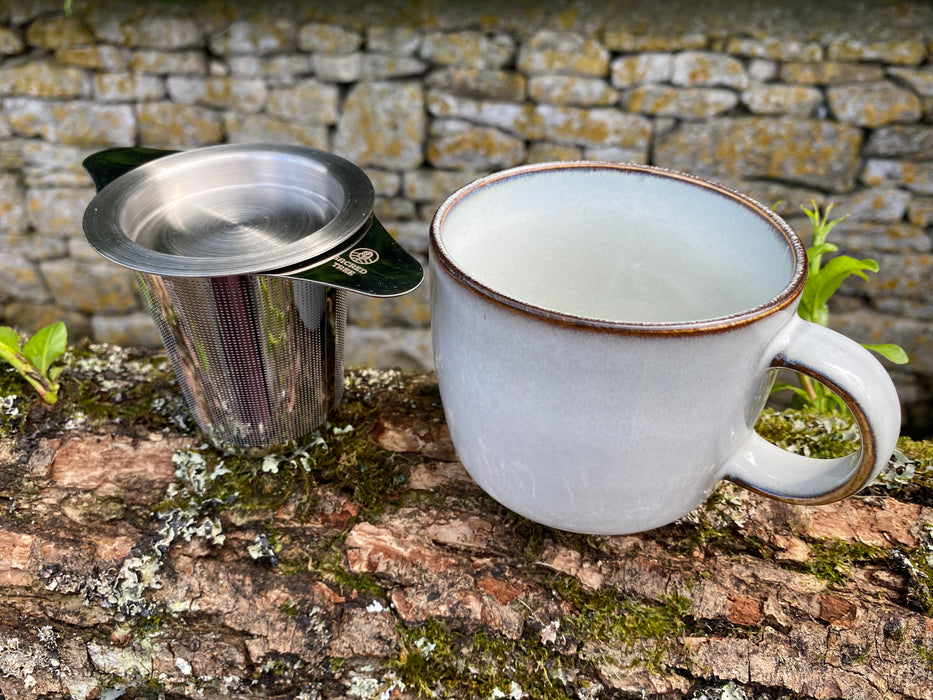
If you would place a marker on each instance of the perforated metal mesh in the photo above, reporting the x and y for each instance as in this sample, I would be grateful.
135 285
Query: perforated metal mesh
259 359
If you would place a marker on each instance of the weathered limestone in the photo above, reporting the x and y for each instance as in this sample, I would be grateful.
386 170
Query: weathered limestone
383 124
817 153
786 103
875 105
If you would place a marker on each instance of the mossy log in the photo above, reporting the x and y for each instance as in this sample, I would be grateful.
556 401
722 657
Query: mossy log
137 562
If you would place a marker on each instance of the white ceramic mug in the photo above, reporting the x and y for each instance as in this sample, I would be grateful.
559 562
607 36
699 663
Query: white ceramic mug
605 337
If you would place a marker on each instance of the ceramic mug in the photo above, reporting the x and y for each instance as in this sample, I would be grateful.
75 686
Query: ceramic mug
605 338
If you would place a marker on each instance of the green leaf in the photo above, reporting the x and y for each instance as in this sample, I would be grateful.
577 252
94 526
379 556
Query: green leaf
817 250
890 351
46 345
822 285
9 338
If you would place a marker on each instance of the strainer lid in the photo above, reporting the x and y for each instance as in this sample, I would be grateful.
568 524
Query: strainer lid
230 210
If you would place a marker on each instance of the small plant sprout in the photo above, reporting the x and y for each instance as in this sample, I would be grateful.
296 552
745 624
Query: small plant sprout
824 278
34 359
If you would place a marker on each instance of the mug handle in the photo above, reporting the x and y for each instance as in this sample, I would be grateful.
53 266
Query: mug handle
866 389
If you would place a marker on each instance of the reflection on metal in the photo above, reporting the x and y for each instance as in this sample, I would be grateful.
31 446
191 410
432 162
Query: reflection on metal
258 359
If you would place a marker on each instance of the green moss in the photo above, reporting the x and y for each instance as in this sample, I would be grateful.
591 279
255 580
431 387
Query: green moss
332 570
620 621
832 560
915 564
436 661
808 433
925 653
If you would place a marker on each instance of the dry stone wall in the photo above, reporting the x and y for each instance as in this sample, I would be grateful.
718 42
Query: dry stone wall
788 102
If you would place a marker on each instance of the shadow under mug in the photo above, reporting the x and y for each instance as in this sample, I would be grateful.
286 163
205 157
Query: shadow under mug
606 336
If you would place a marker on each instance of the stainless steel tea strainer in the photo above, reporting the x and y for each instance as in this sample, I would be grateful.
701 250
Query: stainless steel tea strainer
244 255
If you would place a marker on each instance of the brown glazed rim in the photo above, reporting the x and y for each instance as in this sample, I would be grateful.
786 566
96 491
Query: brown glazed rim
786 298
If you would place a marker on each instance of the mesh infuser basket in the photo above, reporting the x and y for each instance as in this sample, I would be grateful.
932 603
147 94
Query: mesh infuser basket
258 359
244 255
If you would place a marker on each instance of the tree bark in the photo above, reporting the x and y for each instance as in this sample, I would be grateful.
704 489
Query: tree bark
134 561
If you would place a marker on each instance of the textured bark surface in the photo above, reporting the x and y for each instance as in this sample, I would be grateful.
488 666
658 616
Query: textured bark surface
134 561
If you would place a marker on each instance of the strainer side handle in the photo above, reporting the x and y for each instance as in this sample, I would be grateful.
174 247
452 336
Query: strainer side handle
106 166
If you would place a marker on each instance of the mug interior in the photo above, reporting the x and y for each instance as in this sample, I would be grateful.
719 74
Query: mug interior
618 244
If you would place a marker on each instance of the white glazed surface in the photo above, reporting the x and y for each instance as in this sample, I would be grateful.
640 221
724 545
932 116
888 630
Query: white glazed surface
625 422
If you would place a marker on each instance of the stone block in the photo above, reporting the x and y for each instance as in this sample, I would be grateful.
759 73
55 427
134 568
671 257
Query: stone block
914 141
762 70
21 13
642 69
908 52
72 123
480 84
11 43
434 186
881 205
58 212
135 330
519 119
460 145
97 288
243 95
58 32
411 310
684 103
571 90
169 62
467 49
29 317
328 38
920 212
103 58
260 128
708 69
411 235
406 349
383 125
343 68
625 41
260 37
793 100
595 127
809 152
284 70
865 239
78 248
128 87
393 40
917 177
564 53
615 154
544 152
874 104
12 204
44 79
914 336
20 280
830 73
394 209
919 79
385 183
54 165
383 66
33 245
776 49
150 31
167 125
905 276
